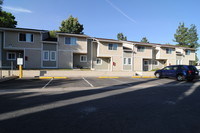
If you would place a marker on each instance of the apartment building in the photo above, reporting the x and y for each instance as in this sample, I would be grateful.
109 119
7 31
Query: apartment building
81 51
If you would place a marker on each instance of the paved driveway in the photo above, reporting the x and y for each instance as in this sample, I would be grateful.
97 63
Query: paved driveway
123 105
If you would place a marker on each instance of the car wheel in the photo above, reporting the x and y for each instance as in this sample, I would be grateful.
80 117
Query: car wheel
180 77
157 75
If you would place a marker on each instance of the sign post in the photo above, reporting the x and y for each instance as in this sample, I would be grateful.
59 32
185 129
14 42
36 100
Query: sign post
20 63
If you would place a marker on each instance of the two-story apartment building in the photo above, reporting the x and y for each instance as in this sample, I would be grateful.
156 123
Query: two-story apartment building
81 51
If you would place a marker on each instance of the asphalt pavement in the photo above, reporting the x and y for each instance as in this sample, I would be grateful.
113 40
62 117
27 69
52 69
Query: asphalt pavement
94 105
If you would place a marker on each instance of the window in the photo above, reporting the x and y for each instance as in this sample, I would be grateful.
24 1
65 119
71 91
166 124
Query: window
11 56
168 68
140 48
127 61
146 62
70 40
98 61
52 55
83 58
112 46
45 55
25 37
187 52
168 51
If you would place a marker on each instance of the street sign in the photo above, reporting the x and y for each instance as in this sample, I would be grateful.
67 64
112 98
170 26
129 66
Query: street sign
19 61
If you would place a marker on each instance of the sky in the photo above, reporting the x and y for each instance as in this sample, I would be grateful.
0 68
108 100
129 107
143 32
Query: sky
157 20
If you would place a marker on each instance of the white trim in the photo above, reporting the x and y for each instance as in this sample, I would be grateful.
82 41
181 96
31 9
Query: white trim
24 65
71 44
7 53
50 52
21 48
26 36
72 59
83 57
43 55
57 56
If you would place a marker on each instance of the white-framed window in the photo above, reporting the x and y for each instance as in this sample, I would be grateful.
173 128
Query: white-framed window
70 40
83 58
127 61
146 62
98 61
187 52
52 55
112 46
140 48
11 56
46 55
25 37
168 51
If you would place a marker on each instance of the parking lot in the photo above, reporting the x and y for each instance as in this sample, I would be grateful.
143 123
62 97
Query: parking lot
92 104
88 82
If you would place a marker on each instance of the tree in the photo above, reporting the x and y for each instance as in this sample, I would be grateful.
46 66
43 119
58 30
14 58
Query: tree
7 20
193 37
1 2
144 39
120 36
52 33
187 37
71 25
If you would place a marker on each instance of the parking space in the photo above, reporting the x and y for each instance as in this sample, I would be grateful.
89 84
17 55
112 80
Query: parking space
82 82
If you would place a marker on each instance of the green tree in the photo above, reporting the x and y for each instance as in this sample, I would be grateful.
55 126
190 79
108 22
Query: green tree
71 25
145 40
7 20
193 37
1 2
52 33
186 37
120 36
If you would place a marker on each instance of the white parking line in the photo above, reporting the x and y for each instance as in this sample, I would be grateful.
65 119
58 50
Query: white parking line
47 84
122 82
87 82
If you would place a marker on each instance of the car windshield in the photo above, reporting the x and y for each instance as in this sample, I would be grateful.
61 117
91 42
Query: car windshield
192 68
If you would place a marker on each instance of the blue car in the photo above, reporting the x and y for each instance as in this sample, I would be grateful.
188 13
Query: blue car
180 72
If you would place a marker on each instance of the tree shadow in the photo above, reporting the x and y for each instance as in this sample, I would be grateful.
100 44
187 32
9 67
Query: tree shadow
112 109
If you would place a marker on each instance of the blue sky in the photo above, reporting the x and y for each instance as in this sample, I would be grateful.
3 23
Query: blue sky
155 19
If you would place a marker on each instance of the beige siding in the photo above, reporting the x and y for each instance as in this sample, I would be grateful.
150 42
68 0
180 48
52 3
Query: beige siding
104 66
119 63
104 51
34 58
138 61
81 46
188 58
146 54
78 64
12 40
127 54
50 46
65 59
164 55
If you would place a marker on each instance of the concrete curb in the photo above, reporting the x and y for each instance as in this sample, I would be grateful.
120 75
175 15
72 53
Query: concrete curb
143 77
8 78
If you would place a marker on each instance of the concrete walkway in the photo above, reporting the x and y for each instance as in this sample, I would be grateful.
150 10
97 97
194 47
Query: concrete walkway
80 73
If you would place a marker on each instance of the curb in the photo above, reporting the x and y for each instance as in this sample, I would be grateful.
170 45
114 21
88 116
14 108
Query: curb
52 77
104 77
143 77
8 78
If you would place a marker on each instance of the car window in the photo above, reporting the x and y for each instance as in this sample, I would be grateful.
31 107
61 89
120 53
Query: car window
192 68
175 68
168 68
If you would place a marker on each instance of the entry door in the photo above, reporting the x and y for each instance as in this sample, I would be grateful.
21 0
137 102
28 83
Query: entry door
145 65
